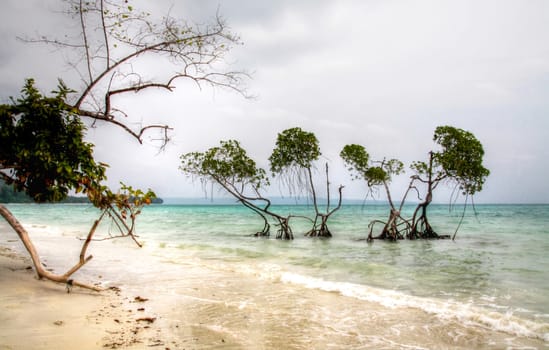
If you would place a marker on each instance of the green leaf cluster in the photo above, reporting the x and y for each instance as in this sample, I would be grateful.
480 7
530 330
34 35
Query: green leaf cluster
358 162
43 151
356 159
460 158
294 148
227 164
129 201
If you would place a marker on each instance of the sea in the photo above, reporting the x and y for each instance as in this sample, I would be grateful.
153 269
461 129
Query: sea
487 289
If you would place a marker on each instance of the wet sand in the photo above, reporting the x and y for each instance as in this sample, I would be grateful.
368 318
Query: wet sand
37 314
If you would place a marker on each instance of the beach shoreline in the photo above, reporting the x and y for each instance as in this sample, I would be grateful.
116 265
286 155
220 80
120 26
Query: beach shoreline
40 314
198 300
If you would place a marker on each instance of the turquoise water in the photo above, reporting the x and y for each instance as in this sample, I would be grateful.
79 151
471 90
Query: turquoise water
500 255
495 273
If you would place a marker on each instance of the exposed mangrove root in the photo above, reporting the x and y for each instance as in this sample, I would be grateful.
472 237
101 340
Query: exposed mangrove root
403 230
266 230
395 228
321 230
285 231
423 230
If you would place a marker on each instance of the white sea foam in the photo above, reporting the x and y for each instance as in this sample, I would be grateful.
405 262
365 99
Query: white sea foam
447 309
44 230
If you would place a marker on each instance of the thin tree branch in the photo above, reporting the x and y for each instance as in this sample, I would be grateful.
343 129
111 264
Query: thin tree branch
105 36
85 38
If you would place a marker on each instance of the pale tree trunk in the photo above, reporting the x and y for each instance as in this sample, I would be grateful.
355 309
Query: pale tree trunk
40 270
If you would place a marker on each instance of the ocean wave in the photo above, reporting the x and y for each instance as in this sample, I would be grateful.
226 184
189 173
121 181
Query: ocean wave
467 314
449 310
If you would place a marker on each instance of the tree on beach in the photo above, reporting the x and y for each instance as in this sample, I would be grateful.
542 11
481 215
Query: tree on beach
292 161
458 163
44 155
43 151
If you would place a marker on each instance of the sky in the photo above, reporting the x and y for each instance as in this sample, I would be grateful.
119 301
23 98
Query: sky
380 73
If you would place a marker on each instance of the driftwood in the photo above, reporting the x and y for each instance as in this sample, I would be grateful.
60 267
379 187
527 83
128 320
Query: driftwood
110 211
39 268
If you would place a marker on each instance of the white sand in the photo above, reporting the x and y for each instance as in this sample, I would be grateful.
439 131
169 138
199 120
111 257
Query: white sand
39 314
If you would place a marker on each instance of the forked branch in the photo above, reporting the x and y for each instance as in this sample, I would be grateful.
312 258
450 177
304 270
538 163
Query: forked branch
114 37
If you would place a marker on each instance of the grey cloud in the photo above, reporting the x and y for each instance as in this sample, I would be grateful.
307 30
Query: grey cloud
380 73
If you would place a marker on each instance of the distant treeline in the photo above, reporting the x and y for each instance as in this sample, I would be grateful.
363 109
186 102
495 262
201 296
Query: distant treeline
9 195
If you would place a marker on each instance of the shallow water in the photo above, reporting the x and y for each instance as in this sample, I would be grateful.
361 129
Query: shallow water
486 289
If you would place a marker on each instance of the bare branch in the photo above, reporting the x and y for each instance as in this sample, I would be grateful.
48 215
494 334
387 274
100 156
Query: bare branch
113 37
85 39
105 36
53 42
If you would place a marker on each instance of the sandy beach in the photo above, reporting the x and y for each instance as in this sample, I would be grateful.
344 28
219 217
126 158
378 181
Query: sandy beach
210 310
42 315
207 309
39 314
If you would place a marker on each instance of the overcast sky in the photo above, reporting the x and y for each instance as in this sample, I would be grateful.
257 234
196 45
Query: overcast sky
381 73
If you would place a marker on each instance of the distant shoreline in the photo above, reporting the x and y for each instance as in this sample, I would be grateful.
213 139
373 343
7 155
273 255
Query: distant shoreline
302 201
274 201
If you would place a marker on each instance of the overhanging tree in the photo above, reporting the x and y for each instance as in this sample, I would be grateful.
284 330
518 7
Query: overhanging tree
113 40
44 154
458 163
292 160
